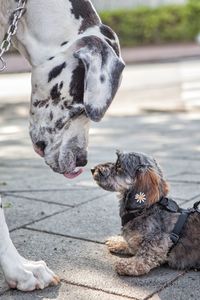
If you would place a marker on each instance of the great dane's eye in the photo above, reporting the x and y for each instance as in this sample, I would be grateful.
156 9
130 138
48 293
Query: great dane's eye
76 111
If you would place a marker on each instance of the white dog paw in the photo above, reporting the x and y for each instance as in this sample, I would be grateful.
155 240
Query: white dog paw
26 275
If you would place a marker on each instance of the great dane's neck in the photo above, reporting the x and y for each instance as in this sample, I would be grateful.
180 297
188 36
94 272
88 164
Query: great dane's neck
47 26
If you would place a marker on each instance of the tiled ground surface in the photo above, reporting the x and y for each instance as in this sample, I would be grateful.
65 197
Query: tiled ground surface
67 222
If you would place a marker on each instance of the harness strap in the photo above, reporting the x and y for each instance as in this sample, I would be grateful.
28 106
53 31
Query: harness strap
196 206
169 205
175 234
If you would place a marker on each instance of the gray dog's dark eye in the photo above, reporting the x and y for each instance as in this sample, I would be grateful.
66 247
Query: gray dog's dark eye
118 165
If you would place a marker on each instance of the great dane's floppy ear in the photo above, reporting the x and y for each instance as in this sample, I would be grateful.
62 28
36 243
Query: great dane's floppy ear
103 69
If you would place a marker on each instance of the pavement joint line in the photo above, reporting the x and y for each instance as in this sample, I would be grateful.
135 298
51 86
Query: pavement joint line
54 214
41 219
167 284
188 173
57 203
22 166
183 201
82 203
193 198
92 199
176 174
38 200
178 157
97 289
191 173
74 188
83 286
185 181
180 174
4 292
179 199
62 235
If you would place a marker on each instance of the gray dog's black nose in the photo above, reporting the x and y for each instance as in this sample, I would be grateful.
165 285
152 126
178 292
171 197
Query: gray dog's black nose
92 170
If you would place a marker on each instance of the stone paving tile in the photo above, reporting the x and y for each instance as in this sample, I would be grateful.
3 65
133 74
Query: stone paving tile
187 177
87 263
151 122
189 154
129 142
185 288
70 196
175 168
189 204
20 211
33 162
97 220
164 130
185 191
31 178
63 292
172 138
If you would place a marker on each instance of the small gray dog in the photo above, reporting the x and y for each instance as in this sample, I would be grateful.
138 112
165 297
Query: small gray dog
155 229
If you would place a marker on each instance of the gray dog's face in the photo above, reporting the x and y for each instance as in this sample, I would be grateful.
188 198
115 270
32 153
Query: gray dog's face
122 174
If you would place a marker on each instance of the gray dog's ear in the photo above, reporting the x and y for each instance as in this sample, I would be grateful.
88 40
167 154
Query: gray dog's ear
103 69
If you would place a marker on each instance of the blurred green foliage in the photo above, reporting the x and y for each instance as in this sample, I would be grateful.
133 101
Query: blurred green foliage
165 24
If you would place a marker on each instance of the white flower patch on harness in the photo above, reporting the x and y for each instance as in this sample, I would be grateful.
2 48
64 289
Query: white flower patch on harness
141 197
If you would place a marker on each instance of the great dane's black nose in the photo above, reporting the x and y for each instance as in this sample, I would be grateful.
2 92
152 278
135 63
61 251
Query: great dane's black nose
40 147
81 161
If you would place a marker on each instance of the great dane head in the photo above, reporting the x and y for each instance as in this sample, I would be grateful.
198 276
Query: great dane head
76 72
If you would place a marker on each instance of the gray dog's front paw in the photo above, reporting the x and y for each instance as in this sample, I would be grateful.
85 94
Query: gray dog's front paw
117 245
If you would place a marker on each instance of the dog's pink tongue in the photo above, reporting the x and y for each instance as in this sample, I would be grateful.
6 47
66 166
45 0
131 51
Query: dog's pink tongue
73 174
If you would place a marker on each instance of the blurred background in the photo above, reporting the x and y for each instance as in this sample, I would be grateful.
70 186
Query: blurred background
113 4
160 45
165 33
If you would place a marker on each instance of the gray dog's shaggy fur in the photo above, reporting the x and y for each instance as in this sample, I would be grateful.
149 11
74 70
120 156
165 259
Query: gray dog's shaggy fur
146 238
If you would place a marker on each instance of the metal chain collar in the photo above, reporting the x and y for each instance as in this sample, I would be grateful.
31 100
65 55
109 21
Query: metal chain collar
12 29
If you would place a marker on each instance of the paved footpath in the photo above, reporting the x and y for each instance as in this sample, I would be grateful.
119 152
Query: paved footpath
67 222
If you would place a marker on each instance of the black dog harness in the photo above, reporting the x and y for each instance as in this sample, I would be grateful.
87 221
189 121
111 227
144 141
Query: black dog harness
172 206
169 205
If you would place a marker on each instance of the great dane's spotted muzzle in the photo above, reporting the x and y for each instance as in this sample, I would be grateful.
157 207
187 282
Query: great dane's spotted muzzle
71 89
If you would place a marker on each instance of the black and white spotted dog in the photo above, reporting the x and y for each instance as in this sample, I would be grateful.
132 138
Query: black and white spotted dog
76 71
